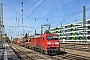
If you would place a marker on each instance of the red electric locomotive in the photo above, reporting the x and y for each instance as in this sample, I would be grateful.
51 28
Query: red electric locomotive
46 43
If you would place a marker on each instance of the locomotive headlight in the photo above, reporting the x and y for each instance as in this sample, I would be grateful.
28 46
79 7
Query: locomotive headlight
56 42
48 42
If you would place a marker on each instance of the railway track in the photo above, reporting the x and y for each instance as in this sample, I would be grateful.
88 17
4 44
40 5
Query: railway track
69 56
77 46
78 49
28 54
65 44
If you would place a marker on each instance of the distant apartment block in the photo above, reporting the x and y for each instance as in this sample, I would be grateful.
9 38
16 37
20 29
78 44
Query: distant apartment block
73 31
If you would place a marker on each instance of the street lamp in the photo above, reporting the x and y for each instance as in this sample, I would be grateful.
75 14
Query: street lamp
34 29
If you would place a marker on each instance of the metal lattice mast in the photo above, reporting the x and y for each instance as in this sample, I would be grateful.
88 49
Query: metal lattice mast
84 24
22 17
61 31
1 24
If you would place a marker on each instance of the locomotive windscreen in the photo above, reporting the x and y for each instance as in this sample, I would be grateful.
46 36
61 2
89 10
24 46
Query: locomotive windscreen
52 37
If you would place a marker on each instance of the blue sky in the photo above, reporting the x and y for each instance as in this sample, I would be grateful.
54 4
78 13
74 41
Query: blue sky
41 10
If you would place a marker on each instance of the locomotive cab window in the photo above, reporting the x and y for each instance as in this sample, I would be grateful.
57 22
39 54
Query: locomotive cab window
52 37
43 38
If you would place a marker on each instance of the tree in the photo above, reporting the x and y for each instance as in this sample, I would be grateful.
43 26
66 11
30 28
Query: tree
26 35
47 31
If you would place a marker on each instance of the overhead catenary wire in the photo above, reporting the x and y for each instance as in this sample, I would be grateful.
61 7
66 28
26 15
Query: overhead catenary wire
11 9
27 5
68 15
24 9
72 14
27 17
60 8
32 7
32 13
22 13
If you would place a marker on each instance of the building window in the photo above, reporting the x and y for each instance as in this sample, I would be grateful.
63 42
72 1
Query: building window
68 26
88 37
88 22
69 30
88 27
88 32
